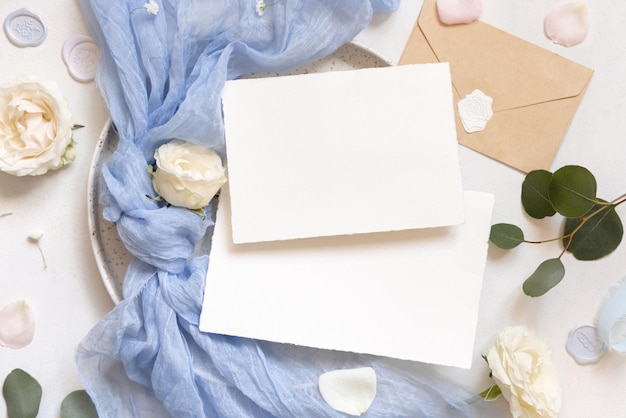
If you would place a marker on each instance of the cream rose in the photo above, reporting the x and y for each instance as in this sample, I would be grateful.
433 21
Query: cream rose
521 366
187 174
35 128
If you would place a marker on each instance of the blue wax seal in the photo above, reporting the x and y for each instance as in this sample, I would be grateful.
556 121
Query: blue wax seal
25 27
584 345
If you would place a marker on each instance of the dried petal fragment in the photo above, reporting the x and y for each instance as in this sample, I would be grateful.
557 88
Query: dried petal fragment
351 391
568 24
152 7
453 12
17 324
35 237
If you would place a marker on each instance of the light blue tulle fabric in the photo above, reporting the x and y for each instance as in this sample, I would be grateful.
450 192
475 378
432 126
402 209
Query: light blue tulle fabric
161 77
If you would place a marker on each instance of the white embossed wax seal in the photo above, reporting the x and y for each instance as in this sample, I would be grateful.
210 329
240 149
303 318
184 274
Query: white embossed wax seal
584 345
25 27
81 55
475 111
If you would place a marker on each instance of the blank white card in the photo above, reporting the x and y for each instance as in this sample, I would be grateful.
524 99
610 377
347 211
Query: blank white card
342 152
410 294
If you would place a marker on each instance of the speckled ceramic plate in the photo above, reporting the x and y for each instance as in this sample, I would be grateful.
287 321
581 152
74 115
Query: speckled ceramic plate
111 256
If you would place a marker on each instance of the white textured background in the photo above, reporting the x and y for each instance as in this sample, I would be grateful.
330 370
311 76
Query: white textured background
68 297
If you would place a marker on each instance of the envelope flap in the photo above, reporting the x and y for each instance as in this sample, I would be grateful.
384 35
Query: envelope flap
514 72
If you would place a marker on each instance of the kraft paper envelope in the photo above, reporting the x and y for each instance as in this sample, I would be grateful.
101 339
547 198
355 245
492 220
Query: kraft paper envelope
535 92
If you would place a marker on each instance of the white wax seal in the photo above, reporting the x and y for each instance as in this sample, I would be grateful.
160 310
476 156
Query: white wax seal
475 111
584 345
25 27
81 55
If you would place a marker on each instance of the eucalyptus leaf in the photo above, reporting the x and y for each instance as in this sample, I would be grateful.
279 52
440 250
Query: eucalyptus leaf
22 394
548 274
506 236
536 194
599 236
572 191
78 404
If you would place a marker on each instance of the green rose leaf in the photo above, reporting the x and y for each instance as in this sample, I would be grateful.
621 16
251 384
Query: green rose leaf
599 236
491 394
506 236
548 274
572 191
78 404
536 194
22 394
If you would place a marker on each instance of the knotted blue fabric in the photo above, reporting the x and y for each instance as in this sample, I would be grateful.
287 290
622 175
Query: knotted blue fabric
161 77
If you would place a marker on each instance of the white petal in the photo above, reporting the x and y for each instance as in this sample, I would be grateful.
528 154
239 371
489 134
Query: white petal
351 391
567 24
17 324
453 12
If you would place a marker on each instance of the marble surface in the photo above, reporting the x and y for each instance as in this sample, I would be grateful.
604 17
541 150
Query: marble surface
68 297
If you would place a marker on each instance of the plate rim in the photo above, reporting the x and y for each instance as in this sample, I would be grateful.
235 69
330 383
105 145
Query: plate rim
93 207
113 287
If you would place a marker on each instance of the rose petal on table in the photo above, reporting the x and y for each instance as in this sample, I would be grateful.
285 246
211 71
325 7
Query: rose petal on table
453 12
350 391
568 23
17 324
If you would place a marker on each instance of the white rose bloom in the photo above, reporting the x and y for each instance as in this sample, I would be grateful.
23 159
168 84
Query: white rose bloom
35 128
187 174
521 366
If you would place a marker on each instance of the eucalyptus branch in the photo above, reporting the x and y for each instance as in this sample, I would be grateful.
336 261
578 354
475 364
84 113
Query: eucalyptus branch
592 229
583 220
619 200
22 394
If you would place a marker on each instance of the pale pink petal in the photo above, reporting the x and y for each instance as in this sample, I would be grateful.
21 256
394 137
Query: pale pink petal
453 12
568 24
17 324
